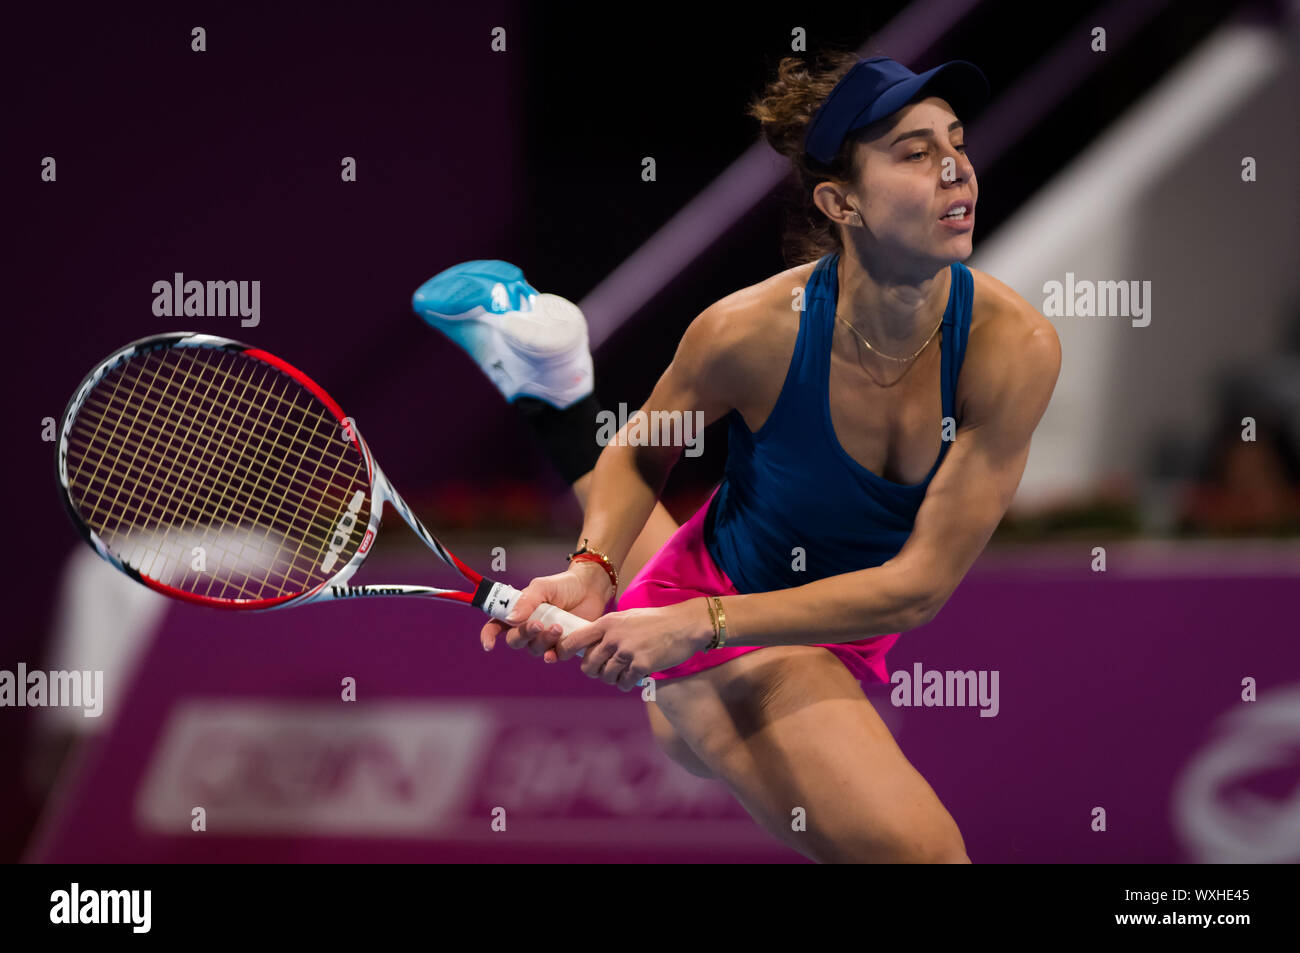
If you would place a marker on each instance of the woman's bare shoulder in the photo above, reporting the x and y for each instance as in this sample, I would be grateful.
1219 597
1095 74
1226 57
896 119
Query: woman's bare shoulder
1010 341
736 346
999 306
758 324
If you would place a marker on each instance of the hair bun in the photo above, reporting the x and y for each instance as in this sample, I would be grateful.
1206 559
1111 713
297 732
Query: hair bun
784 110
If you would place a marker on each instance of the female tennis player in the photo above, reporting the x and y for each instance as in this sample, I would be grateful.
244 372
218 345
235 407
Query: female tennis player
881 398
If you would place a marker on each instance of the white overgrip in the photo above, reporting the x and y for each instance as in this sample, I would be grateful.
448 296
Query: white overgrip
501 600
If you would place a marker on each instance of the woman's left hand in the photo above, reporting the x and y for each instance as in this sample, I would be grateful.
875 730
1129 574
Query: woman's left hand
624 647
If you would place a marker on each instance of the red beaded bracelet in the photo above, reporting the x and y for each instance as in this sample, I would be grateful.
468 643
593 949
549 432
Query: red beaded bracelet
596 556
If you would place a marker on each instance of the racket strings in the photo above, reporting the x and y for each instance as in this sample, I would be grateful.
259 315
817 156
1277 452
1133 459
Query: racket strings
235 386
188 447
181 454
139 464
221 414
115 407
233 389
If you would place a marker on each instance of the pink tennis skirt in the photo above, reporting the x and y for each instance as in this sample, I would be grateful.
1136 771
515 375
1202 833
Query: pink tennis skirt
683 569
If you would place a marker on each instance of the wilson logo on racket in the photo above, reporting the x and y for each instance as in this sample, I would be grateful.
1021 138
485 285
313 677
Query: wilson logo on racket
347 523
349 592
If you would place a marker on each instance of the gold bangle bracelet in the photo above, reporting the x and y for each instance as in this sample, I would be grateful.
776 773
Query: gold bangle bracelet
713 619
722 623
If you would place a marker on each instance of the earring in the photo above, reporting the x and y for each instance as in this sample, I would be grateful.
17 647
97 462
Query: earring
857 219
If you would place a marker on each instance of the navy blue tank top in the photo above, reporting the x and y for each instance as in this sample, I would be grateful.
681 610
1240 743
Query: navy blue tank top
791 484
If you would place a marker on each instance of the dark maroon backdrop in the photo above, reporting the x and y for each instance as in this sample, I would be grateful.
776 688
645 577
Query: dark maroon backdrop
226 165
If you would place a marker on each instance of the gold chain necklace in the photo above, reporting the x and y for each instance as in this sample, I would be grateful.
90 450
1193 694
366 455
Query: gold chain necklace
886 356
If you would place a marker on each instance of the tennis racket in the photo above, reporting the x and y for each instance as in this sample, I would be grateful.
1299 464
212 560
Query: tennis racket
216 473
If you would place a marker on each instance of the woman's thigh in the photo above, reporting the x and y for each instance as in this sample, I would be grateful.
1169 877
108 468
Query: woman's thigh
789 731
673 744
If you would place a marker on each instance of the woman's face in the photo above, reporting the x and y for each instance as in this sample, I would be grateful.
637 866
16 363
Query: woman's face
909 175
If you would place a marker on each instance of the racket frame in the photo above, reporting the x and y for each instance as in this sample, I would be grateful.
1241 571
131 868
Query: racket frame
494 598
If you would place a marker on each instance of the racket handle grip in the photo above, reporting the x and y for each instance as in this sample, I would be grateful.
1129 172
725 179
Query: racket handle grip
502 599
549 615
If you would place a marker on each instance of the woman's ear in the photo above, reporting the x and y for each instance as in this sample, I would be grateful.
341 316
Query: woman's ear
834 204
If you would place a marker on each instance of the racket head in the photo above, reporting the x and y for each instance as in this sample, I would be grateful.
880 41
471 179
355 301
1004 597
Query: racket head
217 473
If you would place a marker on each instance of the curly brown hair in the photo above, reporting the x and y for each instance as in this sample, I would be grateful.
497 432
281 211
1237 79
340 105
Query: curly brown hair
784 109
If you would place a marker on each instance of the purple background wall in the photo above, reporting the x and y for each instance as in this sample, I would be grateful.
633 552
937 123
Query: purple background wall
1113 688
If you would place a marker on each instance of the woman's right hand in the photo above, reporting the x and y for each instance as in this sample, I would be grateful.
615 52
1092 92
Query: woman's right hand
584 589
